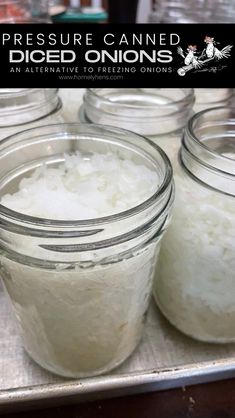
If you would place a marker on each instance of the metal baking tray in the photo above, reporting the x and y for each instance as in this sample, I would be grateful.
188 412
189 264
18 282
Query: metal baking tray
164 359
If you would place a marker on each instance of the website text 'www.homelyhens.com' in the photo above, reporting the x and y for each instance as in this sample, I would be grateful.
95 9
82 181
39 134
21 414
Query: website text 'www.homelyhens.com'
91 77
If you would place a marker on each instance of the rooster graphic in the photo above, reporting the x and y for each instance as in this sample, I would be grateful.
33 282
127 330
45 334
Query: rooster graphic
209 54
189 56
212 52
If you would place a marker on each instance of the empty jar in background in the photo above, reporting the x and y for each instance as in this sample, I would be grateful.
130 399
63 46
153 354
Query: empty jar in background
208 98
195 280
81 285
22 109
190 11
39 10
159 114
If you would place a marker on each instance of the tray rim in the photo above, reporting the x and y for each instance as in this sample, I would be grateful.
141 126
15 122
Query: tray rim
116 385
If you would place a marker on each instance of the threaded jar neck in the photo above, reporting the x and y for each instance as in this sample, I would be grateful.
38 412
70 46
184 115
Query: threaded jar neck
149 112
208 149
20 106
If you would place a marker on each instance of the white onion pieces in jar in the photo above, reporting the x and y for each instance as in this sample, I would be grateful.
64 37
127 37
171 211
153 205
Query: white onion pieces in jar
84 317
195 285
83 188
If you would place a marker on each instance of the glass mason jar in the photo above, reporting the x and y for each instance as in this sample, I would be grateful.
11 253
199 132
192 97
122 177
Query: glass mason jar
39 9
22 109
208 98
189 11
81 288
195 280
159 114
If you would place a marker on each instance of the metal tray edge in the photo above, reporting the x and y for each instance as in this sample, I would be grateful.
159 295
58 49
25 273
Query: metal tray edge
107 387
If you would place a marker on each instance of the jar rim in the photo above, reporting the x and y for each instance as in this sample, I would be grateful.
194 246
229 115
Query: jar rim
105 100
189 130
165 184
22 106
206 165
8 93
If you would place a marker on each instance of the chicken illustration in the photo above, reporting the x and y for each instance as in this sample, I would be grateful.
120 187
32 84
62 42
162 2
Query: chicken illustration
212 52
209 54
189 57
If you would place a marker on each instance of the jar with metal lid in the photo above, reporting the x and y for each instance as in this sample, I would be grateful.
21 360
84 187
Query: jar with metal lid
208 98
159 114
25 108
81 286
189 11
195 279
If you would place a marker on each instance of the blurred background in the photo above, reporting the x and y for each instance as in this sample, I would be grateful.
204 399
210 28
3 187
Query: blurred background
118 11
